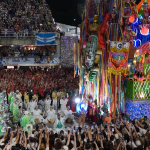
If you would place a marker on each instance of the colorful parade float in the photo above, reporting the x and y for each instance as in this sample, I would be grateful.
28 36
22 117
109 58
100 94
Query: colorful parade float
113 57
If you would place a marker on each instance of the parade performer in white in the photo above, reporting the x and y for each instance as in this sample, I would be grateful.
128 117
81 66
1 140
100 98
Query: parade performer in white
32 104
47 103
63 103
59 123
51 115
37 114
68 113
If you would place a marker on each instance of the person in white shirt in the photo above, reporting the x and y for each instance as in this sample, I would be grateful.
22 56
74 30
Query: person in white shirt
63 103
41 104
32 104
47 103
37 114
68 113
51 115
59 123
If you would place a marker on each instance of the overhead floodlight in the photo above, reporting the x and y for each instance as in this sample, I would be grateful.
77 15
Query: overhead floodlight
77 100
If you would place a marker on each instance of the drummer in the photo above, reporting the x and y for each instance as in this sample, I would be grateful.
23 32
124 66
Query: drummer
37 114
68 113
51 115
47 103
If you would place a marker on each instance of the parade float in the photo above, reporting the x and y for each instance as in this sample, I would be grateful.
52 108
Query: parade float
114 46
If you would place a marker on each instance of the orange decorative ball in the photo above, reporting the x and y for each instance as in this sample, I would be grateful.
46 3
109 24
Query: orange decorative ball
131 19
144 31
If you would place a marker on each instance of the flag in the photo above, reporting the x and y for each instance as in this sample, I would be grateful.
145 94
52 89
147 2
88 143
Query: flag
45 38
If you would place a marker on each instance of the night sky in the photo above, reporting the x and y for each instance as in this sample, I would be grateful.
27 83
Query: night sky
65 11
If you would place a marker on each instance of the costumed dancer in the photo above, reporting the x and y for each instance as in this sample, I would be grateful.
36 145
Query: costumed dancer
10 95
26 119
59 123
2 122
37 114
3 94
81 108
47 103
63 103
69 115
5 104
51 115
19 95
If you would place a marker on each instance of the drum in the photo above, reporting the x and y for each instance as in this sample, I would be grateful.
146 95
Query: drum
69 120
52 121
36 121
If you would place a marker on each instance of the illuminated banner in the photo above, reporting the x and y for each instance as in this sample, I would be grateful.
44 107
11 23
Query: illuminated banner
118 57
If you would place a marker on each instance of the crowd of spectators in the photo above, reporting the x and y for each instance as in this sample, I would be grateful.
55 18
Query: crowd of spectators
25 52
23 18
38 80
119 134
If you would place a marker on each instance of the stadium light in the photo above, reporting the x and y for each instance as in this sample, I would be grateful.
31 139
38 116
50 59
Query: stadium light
77 100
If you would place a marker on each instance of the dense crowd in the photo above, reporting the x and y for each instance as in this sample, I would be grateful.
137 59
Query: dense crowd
25 52
37 80
119 134
25 18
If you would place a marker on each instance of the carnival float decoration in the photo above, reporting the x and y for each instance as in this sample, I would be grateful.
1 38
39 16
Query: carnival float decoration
110 32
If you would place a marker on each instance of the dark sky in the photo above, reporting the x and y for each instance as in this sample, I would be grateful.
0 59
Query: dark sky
65 11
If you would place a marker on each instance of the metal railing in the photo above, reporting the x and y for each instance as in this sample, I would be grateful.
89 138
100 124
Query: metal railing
22 35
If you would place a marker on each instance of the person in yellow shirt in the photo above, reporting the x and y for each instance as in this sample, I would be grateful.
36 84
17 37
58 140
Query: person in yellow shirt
36 96
26 99
63 94
54 96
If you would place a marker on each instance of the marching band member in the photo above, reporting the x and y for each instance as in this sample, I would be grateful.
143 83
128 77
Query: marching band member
51 115
37 114
47 103
63 103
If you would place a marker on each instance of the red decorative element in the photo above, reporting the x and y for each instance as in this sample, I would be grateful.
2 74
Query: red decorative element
131 19
84 43
86 27
101 31
145 46
144 30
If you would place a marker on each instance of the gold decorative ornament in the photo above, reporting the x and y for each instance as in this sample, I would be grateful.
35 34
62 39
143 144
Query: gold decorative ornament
94 26
99 50
97 59
111 70
114 49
